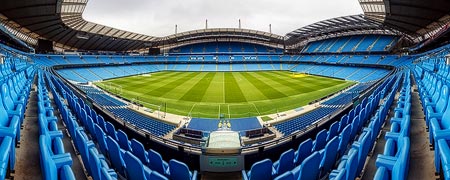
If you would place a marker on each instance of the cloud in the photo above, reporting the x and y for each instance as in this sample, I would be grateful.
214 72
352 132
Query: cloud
158 17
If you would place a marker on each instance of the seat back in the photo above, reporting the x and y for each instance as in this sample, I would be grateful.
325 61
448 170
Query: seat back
445 121
303 151
48 167
352 164
156 161
135 169
329 158
101 136
115 155
139 151
441 104
344 138
310 167
8 103
286 161
111 130
179 170
321 140
399 171
333 130
4 120
123 140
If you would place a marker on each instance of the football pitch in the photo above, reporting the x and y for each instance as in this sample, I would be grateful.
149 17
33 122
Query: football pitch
228 94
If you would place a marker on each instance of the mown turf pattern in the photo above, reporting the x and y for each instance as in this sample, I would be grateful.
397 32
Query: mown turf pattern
234 94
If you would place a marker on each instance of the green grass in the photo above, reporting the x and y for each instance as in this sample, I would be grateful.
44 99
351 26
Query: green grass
235 94
266 118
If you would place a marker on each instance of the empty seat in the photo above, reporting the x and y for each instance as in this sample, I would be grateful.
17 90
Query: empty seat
157 163
135 169
309 169
329 154
139 151
321 140
179 170
285 163
116 155
303 151
261 170
123 140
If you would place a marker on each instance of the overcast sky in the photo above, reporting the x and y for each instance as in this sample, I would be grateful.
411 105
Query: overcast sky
158 17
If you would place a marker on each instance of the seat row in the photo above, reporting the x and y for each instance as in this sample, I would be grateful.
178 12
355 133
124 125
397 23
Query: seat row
55 163
94 162
127 157
14 93
352 163
394 162
315 159
434 94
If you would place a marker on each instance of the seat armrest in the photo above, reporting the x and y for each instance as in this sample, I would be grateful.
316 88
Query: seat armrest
244 175
385 161
194 175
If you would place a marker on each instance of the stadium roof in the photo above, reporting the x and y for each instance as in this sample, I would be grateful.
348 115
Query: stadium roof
61 21
419 18
356 24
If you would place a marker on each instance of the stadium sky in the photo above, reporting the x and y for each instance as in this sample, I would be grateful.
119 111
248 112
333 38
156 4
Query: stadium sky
158 17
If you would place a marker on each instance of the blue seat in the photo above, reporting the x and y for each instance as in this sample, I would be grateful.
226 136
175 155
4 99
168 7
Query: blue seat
363 145
97 162
329 155
439 128
309 169
321 140
13 108
135 169
52 165
355 127
285 163
157 163
5 153
261 170
157 176
333 130
398 164
285 176
116 155
381 174
348 164
122 138
110 130
303 151
179 170
344 139
101 139
139 151
9 127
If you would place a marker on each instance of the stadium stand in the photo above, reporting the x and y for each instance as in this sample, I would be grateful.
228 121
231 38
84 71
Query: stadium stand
392 123
366 43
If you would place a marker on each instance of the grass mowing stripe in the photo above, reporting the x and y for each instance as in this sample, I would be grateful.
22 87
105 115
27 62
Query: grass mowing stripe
290 82
267 90
137 81
180 90
197 92
233 93
171 85
215 91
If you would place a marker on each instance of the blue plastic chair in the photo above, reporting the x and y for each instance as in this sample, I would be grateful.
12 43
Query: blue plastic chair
180 171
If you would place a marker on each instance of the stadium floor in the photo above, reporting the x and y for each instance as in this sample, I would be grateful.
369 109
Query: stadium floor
233 94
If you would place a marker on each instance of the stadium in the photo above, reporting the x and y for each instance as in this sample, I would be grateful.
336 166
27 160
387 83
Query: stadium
360 96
